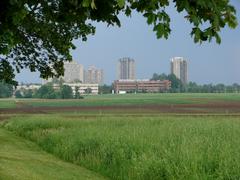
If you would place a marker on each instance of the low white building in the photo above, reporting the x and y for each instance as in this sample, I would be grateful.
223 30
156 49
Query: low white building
84 88
29 86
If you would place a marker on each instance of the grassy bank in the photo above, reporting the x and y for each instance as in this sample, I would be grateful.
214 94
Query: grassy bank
140 147
22 160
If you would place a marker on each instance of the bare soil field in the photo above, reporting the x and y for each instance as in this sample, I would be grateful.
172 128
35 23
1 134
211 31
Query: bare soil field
213 107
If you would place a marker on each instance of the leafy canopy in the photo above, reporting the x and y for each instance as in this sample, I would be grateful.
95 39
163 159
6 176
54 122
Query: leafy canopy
38 34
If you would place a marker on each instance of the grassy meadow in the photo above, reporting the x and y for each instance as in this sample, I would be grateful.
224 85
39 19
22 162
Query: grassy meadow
131 147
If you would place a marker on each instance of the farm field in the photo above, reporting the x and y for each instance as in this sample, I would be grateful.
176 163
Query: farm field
142 136
148 103
127 100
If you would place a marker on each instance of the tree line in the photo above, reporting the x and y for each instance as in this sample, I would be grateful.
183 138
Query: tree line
193 87
48 91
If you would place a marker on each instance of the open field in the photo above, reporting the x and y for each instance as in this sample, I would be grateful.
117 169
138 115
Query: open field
139 147
7 103
137 136
127 100
148 103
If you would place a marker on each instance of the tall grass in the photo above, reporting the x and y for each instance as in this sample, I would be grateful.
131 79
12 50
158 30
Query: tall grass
161 147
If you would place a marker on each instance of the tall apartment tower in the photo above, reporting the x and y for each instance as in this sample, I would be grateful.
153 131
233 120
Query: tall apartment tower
126 68
179 68
93 75
73 72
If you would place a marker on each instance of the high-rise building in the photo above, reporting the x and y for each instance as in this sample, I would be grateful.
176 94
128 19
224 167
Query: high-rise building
73 72
93 75
126 68
179 68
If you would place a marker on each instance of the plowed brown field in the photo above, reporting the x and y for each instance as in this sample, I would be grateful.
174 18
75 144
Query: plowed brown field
215 107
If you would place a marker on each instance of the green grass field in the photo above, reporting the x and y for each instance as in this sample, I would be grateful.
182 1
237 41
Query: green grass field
21 159
160 147
7 103
136 99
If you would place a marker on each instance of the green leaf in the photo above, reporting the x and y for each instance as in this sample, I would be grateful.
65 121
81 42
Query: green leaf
121 3
86 3
218 39
93 6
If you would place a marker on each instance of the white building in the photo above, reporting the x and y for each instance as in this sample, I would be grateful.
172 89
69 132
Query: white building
179 69
84 88
73 72
29 86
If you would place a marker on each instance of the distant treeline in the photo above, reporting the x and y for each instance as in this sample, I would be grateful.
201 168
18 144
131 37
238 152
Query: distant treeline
47 91
192 87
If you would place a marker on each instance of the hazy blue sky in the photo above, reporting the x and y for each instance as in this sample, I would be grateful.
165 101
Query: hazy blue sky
208 62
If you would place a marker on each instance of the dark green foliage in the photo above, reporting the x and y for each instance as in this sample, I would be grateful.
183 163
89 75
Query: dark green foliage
211 88
18 94
6 90
77 93
46 91
88 91
66 92
105 89
192 87
28 93
38 35
176 84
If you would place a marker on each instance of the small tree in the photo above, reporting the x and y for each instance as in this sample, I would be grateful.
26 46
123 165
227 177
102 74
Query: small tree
105 89
18 94
77 93
88 91
46 91
28 93
66 92
6 90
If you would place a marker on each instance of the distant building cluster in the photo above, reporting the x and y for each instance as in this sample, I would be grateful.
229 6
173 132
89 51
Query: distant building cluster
88 80
75 72
179 69
93 75
126 78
